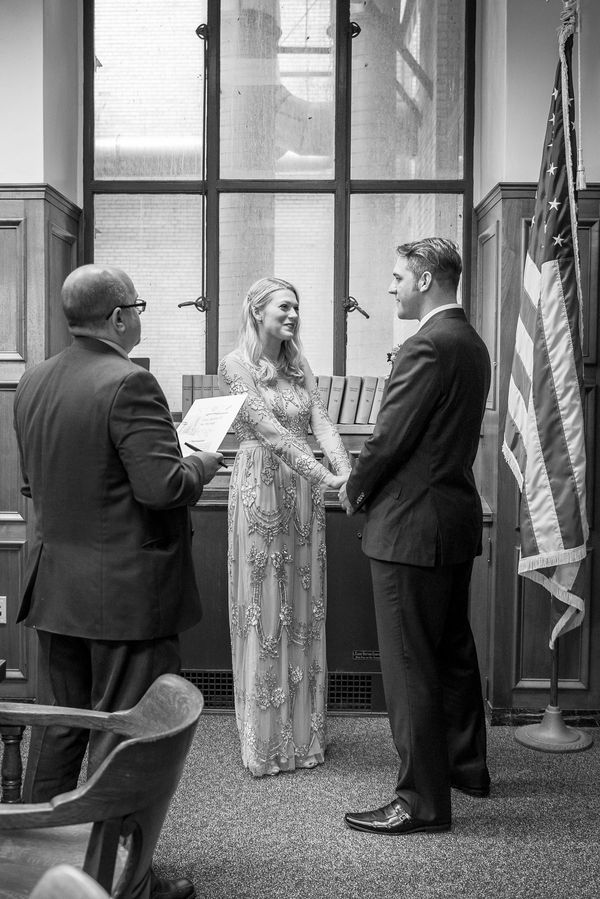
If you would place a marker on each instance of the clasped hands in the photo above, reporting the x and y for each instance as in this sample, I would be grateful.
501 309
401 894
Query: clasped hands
338 482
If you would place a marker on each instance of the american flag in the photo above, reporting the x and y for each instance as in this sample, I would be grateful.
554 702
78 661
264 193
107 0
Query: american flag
544 438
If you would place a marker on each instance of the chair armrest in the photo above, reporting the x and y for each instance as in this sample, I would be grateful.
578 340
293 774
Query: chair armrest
30 715
38 814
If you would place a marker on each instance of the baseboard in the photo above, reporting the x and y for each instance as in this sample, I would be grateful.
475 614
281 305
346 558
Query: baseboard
518 717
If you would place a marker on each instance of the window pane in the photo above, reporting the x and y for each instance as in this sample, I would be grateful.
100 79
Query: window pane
408 89
378 224
288 236
277 90
156 240
148 88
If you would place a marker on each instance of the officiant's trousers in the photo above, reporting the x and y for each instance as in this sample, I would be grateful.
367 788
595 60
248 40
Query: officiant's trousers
104 675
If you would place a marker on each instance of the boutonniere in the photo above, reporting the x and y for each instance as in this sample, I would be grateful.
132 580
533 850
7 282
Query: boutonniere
392 355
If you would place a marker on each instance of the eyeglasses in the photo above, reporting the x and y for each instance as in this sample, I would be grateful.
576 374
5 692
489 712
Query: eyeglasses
140 305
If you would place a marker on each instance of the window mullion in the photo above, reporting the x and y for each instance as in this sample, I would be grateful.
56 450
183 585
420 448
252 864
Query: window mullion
88 134
343 80
468 140
212 195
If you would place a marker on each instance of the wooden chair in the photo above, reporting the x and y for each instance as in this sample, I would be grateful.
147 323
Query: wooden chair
108 826
65 882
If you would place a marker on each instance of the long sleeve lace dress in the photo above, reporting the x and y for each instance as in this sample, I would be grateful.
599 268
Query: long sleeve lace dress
277 568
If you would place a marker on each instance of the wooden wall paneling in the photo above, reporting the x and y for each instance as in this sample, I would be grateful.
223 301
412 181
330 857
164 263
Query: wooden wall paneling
351 631
62 259
13 641
520 617
588 236
479 605
38 247
36 281
503 596
13 352
12 501
515 212
537 613
207 645
12 266
589 239
486 315
590 405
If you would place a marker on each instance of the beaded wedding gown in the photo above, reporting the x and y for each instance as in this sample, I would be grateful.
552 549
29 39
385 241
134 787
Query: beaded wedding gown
277 568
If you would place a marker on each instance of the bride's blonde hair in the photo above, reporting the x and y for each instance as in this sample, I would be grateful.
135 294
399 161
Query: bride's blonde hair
249 344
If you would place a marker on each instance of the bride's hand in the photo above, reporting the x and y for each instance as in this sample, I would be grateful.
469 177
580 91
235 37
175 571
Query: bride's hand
335 481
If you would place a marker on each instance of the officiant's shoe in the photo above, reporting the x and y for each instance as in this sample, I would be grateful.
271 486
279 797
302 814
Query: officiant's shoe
392 819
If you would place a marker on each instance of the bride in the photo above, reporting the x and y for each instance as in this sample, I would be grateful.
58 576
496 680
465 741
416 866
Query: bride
277 565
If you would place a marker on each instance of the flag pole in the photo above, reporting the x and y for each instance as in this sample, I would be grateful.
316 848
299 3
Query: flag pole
551 734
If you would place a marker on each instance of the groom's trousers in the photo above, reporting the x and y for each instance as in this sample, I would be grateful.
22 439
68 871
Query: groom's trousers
431 683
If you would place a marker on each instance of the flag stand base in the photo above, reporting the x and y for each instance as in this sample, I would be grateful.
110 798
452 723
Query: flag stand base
552 734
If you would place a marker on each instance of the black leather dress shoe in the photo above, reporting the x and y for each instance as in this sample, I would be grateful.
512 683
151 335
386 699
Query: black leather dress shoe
478 792
392 819
160 888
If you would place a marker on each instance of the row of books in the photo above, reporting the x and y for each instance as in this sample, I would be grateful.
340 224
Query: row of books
349 399
197 387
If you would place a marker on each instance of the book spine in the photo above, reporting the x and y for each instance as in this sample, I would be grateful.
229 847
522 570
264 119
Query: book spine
365 400
206 387
350 401
216 390
377 400
324 388
186 393
196 387
335 397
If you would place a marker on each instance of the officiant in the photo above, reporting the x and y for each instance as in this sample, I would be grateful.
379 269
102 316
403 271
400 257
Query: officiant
109 583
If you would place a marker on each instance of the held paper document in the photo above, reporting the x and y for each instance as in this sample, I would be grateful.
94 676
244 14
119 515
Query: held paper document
207 422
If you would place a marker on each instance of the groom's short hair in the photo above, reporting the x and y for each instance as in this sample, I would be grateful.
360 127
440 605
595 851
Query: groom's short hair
436 255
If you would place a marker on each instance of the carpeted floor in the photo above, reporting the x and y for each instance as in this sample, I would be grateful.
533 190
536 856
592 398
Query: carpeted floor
537 836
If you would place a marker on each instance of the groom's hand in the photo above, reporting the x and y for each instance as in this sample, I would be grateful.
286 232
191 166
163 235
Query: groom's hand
344 501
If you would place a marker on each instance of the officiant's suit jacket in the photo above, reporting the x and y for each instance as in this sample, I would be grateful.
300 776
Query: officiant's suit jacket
414 475
111 556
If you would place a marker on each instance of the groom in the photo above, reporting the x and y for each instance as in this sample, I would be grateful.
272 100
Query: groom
414 479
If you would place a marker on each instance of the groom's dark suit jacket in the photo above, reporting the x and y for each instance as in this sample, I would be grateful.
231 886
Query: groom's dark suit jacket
414 475
111 557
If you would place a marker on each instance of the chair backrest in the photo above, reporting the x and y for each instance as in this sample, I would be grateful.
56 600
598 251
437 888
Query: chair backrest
66 882
129 794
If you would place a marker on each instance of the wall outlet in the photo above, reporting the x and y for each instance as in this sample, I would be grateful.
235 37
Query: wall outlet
2 609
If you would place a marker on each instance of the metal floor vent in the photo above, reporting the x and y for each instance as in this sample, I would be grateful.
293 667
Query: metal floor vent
347 691
216 687
350 692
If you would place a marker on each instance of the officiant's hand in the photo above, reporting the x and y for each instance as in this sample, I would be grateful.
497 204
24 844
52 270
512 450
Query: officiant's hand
211 462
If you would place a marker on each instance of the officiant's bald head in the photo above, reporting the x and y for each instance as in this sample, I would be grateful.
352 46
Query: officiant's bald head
101 301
